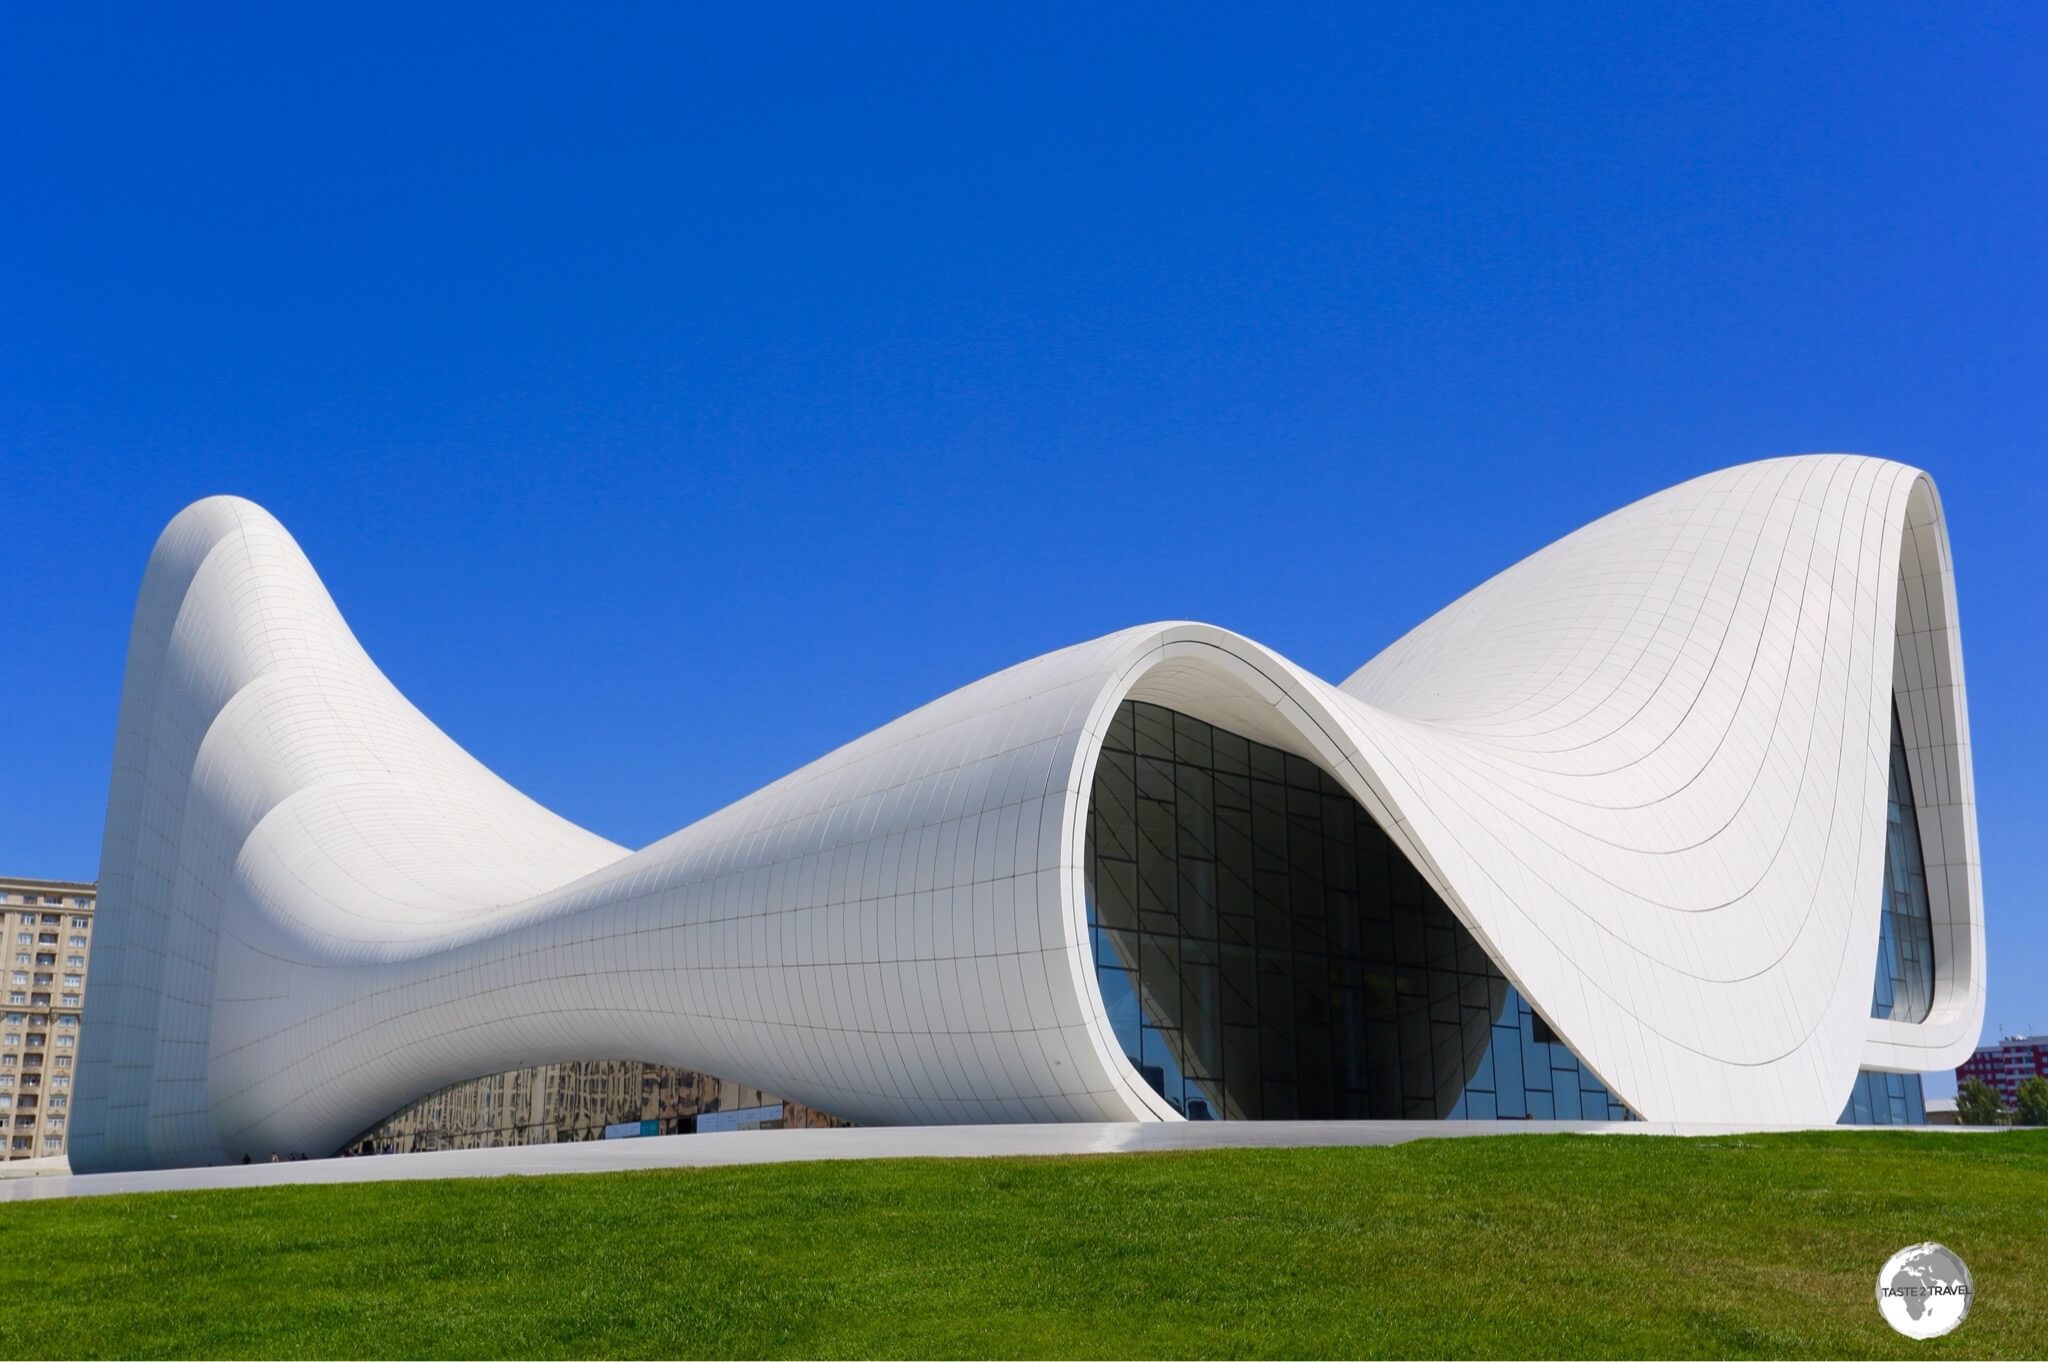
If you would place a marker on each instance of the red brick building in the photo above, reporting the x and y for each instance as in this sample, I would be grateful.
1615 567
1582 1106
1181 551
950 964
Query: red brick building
2005 1064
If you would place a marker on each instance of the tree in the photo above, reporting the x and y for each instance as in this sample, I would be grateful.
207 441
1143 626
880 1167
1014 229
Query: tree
1977 1104
2031 1108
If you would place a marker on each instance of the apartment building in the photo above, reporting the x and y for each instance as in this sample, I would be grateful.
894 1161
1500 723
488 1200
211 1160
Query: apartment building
46 928
2007 1064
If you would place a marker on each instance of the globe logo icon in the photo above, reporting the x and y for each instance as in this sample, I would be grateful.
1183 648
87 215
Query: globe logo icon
1924 1291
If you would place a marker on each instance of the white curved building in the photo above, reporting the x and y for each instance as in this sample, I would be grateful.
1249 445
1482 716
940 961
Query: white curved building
1630 828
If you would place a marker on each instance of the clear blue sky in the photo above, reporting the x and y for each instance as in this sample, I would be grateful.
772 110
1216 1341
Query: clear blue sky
669 397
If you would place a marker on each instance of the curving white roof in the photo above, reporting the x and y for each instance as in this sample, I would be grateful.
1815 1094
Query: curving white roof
1646 767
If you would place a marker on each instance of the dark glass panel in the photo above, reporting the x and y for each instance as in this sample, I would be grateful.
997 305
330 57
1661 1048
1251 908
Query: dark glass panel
1268 763
1198 898
1121 737
1112 809
1116 893
1195 812
1191 742
1233 753
1154 727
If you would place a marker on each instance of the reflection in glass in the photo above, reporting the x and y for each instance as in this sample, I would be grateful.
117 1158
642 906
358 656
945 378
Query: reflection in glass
1265 952
553 1103
1905 943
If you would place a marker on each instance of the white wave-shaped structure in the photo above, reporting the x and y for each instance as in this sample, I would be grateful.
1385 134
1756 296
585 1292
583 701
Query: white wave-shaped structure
1646 767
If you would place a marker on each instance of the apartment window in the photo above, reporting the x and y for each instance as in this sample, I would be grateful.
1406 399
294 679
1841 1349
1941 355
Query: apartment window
81 922
51 919
21 978
21 957
12 1038
17 998
81 903
74 962
77 942
66 1042
74 981
8 1061
35 1040
63 1061
44 980
58 1102
61 1082
6 1101
26 938
47 958
72 1000
47 938
67 1022
55 1123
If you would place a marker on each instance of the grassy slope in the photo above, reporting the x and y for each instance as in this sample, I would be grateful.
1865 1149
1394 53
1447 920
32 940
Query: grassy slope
1517 1246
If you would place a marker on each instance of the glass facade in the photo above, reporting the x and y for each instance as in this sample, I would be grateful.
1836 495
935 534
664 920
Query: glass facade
1265 952
1905 943
1886 1100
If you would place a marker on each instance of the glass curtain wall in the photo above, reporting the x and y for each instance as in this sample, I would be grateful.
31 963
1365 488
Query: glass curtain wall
1265 952
1905 943
1881 1099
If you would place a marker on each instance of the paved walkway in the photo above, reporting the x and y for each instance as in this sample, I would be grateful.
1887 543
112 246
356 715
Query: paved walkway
798 1146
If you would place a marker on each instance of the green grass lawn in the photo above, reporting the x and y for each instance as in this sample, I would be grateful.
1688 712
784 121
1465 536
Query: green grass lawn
1512 1246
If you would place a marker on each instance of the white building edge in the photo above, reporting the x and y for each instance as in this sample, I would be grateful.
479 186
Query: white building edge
1646 768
